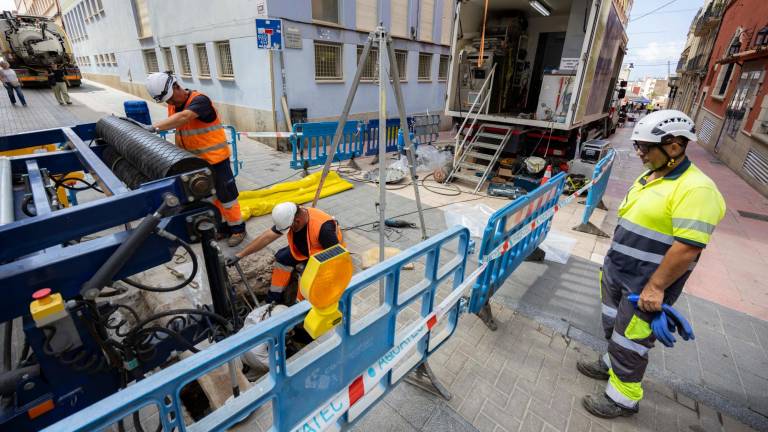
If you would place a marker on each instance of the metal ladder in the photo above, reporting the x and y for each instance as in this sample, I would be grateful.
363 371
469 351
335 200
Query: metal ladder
487 137
484 97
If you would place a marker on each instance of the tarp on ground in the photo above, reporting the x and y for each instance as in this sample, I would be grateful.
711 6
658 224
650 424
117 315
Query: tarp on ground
261 202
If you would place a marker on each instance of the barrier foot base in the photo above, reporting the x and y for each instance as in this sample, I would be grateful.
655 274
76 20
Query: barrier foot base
536 256
423 378
353 164
601 205
590 228
375 160
486 316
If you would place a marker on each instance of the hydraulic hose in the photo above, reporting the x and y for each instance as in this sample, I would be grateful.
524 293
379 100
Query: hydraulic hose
105 274
185 282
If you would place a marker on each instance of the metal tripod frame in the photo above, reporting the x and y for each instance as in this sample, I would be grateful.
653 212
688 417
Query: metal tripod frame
382 37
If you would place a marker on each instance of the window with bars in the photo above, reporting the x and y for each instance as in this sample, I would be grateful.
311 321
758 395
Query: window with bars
99 6
150 61
326 10
224 60
186 68
442 69
203 68
141 9
371 66
425 66
168 57
113 59
401 56
328 65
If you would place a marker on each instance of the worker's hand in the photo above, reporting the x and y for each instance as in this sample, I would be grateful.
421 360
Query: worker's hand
148 128
231 260
651 299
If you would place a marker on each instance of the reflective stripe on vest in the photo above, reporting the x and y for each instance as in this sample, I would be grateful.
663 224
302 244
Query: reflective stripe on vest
316 220
205 139
190 132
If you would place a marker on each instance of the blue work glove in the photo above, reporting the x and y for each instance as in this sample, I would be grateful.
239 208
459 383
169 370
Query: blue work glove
665 323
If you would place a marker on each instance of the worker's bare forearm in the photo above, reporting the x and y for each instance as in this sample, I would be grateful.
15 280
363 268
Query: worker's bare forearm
258 243
676 262
175 121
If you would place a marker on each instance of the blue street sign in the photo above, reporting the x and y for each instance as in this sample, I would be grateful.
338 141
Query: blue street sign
269 34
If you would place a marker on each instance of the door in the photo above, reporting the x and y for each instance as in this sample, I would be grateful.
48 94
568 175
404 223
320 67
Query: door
548 54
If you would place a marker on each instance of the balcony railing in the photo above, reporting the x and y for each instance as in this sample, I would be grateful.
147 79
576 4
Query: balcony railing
710 19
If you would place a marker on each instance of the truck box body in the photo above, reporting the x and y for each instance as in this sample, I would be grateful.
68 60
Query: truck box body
32 44
555 72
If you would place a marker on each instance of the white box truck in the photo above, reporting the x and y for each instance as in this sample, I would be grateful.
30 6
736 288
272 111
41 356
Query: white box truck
554 67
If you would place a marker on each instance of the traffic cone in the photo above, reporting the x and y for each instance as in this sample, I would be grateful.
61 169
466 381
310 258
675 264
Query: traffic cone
547 175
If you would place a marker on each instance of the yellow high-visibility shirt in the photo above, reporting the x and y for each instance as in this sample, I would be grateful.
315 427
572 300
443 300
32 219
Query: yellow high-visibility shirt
684 205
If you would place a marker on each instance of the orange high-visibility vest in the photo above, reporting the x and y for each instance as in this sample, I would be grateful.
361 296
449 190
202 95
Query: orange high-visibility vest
316 220
206 140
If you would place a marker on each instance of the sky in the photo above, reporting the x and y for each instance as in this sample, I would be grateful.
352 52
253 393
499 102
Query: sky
6 5
658 37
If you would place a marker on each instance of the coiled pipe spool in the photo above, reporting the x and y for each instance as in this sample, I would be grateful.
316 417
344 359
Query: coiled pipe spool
124 170
151 155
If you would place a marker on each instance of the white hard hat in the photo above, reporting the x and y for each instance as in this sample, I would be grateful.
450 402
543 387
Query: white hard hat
160 85
656 125
283 215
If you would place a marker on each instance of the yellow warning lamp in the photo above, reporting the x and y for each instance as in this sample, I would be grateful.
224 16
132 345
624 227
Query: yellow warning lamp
326 276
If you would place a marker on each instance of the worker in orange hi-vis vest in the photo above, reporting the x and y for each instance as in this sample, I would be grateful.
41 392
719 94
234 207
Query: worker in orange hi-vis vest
199 131
308 230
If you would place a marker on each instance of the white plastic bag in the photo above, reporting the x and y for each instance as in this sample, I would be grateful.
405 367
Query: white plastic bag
473 217
430 158
558 247
258 358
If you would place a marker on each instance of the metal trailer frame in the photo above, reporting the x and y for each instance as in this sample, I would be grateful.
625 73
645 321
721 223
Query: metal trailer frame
47 253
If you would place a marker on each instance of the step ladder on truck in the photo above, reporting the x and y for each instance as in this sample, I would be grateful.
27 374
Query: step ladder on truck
475 161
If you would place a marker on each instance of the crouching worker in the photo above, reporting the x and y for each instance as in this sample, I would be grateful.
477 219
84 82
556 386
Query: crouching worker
309 231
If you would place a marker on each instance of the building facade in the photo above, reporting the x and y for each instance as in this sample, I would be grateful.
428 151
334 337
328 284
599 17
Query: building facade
733 119
212 47
692 66
47 8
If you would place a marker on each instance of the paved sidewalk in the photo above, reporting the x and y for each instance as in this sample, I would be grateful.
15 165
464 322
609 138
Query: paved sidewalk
521 377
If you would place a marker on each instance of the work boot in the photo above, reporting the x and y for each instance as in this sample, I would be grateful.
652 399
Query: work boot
600 405
594 369
235 239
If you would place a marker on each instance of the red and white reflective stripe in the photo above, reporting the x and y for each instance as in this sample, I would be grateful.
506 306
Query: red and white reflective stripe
329 413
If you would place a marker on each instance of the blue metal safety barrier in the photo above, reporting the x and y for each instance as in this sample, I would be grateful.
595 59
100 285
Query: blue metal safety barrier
600 177
300 387
311 142
372 136
232 137
426 127
506 225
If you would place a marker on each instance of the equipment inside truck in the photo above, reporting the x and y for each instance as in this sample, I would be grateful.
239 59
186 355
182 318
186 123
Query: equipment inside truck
535 48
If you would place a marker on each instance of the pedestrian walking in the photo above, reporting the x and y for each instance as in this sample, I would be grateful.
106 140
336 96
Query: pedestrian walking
60 85
199 131
11 83
665 221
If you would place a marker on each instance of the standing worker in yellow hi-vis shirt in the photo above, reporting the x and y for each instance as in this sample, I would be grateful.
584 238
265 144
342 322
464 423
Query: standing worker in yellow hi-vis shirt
665 221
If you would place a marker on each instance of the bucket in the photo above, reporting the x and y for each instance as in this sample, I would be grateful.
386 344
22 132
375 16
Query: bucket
137 110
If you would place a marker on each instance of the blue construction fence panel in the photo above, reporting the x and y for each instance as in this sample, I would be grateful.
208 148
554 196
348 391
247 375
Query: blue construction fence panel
311 142
505 224
425 127
372 136
602 172
299 386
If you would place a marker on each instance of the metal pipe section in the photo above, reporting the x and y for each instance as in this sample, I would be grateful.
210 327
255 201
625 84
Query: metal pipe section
218 283
153 156
6 191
